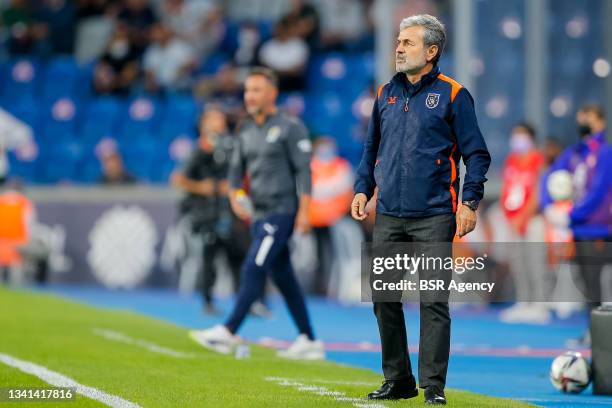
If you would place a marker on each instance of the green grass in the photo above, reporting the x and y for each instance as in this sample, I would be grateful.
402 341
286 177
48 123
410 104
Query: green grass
58 334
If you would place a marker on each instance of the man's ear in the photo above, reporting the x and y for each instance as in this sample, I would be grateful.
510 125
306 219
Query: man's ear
432 51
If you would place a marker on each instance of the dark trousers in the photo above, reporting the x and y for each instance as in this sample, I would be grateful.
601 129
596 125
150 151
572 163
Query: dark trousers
214 244
269 252
434 341
592 255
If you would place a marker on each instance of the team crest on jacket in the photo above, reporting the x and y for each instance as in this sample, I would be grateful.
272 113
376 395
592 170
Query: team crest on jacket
432 100
273 134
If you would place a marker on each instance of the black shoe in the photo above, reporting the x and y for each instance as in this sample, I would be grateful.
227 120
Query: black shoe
434 396
393 390
211 310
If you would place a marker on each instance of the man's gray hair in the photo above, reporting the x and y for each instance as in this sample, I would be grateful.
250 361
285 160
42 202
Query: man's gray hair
434 32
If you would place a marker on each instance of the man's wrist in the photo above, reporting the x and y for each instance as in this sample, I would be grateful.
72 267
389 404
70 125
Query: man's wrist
471 204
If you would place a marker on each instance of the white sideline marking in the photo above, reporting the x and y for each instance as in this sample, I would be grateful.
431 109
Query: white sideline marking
123 338
315 389
59 380
316 380
534 400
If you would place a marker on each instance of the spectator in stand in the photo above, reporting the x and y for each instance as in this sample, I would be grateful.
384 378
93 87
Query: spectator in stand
306 22
168 62
113 170
342 22
287 55
118 67
139 18
56 22
97 8
249 42
199 23
19 22
223 89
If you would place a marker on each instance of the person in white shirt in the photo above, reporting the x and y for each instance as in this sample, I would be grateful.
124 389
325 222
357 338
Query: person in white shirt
287 54
168 61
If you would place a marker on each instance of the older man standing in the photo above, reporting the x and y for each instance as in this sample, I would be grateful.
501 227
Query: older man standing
422 124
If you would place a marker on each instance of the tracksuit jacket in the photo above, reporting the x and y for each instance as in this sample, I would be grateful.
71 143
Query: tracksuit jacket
416 137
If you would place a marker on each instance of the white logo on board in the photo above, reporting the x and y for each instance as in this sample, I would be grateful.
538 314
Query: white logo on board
122 247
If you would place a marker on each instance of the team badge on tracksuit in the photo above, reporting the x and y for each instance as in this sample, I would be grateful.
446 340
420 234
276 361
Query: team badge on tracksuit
432 100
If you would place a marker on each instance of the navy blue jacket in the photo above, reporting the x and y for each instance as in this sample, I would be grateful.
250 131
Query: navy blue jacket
416 136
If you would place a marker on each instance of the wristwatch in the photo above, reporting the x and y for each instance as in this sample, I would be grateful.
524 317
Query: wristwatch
472 204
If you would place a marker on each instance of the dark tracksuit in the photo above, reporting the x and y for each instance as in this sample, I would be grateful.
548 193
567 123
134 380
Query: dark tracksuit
206 214
275 157
416 137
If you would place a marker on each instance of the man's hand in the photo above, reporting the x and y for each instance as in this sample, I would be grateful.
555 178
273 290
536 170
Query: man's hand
358 207
302 222
302 219
206 187
238 209
466 220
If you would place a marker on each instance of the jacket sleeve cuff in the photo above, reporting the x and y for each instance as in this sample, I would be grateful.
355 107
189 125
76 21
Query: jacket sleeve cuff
471 196
363 189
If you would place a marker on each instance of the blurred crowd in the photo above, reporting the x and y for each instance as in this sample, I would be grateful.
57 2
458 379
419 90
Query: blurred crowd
555 206
160 45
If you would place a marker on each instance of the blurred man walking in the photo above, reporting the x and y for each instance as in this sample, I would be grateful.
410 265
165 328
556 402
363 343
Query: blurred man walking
274 153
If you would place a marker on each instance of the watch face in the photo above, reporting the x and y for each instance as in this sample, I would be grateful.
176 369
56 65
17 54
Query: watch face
473 205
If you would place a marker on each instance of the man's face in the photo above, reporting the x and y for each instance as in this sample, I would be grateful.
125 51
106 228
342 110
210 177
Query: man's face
212 125
113 166
411 54
259 94
587 122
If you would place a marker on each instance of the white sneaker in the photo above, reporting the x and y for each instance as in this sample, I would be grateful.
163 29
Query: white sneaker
514 313
530 313
217 338
537 313
304 349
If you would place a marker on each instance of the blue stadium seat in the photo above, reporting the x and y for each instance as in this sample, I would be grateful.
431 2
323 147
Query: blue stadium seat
180 118
88 168
61 79
101 118
348 74
164 166
27 111
84 91
141 117
60 120
140 159
327 113
181 109
58 163
22 169
21 80
213 62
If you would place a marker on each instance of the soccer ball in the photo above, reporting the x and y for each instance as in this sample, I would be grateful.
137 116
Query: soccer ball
560 186
570 373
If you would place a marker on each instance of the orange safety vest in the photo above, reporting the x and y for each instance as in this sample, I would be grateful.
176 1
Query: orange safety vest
560 240
15 211
332 191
